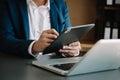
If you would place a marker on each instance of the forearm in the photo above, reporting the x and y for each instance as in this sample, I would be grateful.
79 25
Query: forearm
15 46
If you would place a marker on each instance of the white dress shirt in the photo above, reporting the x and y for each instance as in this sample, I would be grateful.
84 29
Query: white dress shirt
39 20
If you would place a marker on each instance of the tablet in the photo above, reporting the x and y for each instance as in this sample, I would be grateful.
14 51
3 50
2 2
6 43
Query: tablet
68 36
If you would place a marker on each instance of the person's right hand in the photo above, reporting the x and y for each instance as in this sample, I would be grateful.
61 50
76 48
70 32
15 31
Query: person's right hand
46 38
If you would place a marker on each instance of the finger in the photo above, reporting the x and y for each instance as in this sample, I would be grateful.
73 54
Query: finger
69 48
49 41
51 36
70 52
74 43
52 31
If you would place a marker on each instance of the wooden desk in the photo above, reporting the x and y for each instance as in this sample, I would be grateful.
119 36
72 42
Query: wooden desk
85 47
16 68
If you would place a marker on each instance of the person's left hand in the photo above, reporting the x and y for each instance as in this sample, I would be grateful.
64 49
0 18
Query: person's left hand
73 49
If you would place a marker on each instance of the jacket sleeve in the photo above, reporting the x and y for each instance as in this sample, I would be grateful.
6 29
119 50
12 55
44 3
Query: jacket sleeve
9 42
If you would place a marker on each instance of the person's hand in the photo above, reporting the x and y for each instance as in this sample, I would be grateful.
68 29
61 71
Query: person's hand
46 38
73 49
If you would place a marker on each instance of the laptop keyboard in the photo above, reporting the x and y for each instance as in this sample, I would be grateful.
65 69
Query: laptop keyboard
66 66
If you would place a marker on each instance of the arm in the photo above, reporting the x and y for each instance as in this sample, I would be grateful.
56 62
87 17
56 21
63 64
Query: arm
12 37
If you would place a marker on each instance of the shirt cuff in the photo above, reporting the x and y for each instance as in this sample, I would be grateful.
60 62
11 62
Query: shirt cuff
30 50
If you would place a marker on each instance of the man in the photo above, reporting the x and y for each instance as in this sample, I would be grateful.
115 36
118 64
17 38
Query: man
27 27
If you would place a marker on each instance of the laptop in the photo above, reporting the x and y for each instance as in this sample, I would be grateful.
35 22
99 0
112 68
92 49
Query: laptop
69 35
104 55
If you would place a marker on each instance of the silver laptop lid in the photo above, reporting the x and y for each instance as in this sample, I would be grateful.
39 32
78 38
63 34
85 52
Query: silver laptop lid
104 55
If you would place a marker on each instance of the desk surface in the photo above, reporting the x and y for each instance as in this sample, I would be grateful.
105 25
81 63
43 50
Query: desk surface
15 68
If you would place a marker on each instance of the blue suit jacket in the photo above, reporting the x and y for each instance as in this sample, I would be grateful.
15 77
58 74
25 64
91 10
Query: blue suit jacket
14 25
